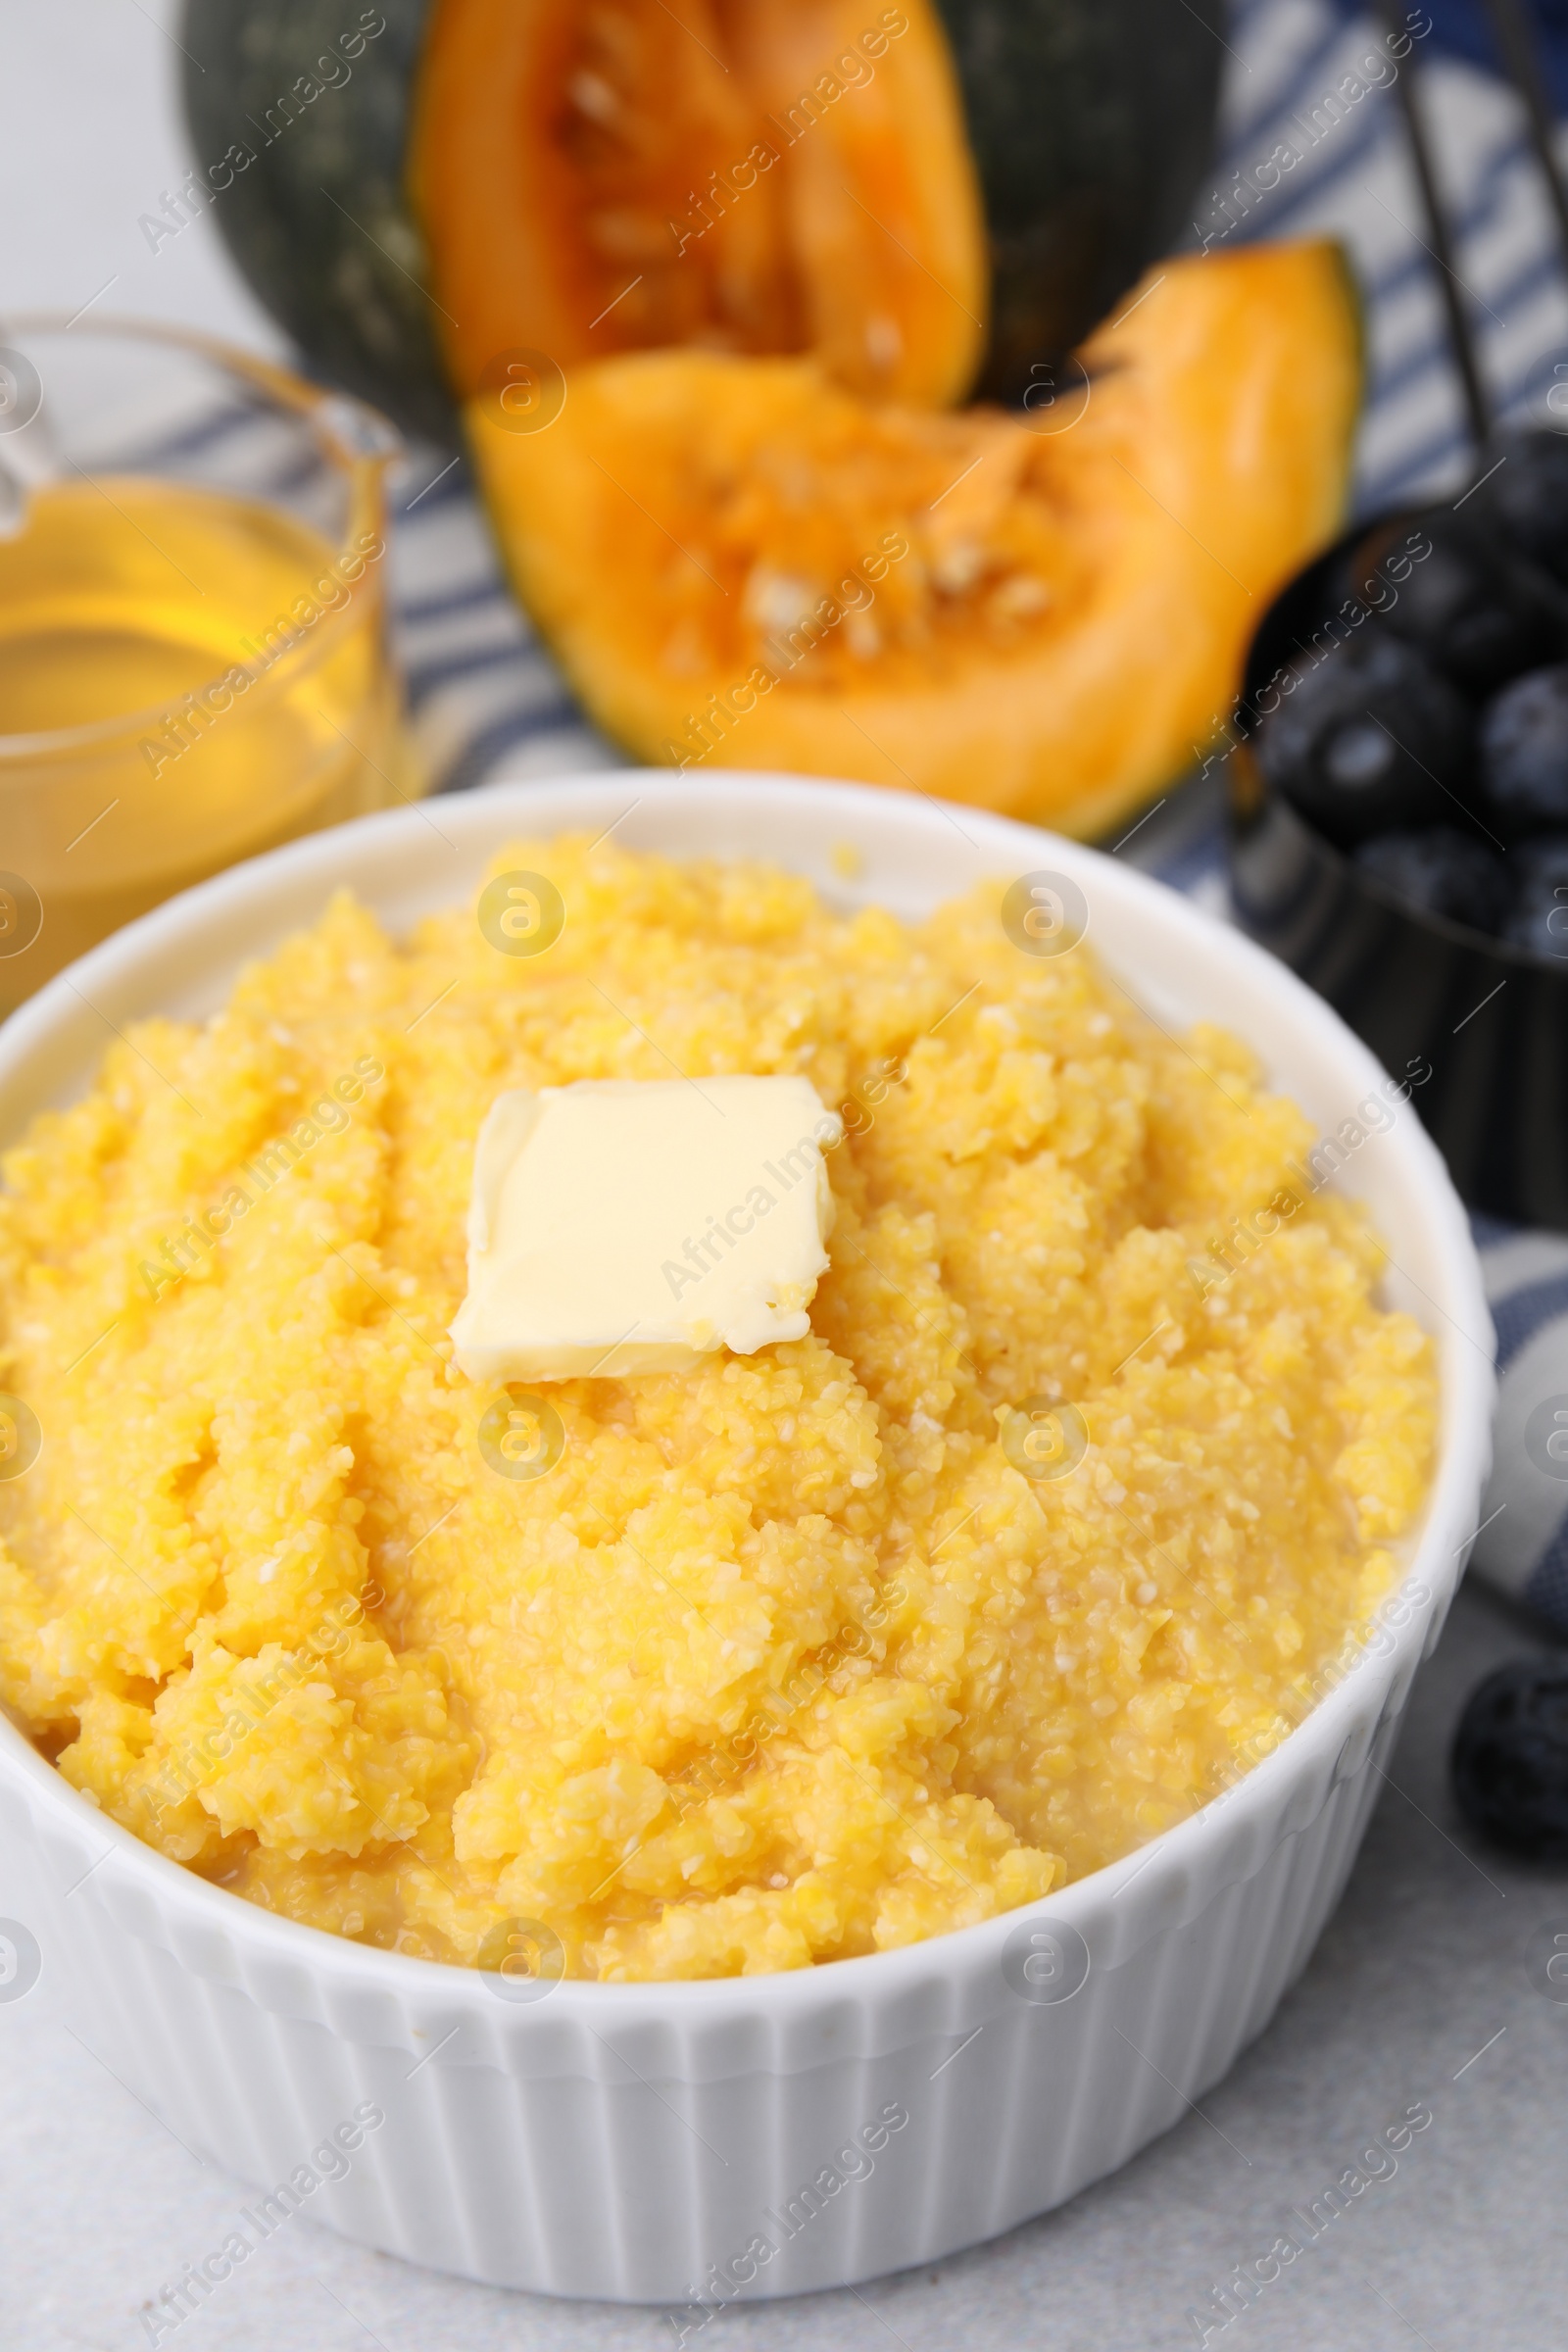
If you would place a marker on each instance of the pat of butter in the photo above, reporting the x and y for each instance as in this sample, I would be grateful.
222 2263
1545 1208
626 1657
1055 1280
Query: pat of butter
626 1225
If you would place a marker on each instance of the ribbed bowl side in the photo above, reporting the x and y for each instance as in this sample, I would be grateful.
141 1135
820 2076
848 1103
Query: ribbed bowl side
634 2180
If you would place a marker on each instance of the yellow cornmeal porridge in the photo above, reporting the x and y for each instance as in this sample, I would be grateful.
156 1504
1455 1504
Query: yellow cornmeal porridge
784 1659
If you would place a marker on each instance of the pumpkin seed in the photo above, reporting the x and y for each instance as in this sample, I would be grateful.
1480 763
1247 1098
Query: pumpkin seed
624 234
593 96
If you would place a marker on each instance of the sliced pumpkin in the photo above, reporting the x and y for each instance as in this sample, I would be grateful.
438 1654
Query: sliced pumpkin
740 564
749 176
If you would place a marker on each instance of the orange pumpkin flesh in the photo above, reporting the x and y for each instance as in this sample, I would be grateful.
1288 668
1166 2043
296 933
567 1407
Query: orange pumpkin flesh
791 176
739 562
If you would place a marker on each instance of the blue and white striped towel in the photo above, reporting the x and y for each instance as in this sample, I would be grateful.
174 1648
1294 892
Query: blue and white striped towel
486 701
1354 179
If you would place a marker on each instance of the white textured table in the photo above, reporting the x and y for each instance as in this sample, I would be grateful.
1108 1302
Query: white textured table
1424 1967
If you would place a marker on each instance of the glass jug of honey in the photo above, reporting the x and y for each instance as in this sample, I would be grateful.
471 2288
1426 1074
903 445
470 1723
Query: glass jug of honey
193 656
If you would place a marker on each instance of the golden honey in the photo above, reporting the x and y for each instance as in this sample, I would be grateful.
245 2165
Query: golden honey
186 677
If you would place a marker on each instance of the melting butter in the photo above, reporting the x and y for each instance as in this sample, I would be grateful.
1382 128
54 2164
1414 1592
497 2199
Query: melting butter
624 1225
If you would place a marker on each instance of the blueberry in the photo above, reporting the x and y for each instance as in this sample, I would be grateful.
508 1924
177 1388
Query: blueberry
1477 613
1440 870
1537 918
1522 769
1526 499
1367 739
1510 1759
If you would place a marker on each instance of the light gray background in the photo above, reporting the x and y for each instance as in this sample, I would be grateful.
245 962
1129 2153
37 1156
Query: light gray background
1424 1966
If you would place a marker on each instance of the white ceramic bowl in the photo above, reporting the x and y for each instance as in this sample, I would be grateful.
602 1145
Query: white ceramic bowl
648 2141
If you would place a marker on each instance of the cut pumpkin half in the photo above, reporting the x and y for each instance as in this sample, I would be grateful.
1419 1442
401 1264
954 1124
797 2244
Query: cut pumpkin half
927 196
768 177
741 564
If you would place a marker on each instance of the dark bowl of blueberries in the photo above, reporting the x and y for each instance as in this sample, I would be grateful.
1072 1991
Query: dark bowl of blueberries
1398 819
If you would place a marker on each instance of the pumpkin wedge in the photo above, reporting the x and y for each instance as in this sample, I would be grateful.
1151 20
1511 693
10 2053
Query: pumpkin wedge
738 561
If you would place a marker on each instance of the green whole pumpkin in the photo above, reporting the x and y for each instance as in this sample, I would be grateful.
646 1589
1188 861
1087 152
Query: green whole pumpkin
932 198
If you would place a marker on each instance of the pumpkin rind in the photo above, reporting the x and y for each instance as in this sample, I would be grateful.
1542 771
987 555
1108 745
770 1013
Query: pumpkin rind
318 221
1091 126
